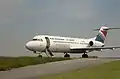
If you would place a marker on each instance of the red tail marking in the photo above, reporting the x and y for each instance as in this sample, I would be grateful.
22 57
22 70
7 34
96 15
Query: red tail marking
104 32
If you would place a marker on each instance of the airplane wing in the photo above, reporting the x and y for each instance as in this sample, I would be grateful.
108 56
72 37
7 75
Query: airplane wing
94 48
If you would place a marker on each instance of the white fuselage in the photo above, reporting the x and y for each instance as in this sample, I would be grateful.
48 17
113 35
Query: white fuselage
60 44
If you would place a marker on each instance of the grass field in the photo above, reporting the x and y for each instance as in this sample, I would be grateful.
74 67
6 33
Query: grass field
7 63
105 71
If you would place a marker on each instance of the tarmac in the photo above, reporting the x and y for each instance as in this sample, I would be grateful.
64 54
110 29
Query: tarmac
36 71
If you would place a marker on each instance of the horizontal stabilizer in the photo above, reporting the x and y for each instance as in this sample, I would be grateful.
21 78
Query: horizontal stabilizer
106 29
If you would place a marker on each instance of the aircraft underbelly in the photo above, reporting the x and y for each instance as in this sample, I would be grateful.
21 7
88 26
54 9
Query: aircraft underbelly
76 51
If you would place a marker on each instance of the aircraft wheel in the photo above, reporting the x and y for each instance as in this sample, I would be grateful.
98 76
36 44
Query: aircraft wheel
40 56
67 55
84 56
34 51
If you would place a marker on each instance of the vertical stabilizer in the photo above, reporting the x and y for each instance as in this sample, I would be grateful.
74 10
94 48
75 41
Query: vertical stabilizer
102 34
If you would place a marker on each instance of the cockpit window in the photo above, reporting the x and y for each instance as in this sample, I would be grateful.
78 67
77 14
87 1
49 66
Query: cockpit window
37 39
34 39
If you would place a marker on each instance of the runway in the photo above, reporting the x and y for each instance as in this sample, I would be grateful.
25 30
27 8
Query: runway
34 72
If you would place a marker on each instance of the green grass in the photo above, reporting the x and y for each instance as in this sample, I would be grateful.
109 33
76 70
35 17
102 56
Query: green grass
105 71
7 63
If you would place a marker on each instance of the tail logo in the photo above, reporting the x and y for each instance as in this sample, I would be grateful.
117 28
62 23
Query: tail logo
102 34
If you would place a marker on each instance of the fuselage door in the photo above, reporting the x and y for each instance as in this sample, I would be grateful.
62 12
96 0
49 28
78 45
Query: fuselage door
48 42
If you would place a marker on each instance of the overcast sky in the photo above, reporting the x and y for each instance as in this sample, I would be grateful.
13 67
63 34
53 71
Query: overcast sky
20 20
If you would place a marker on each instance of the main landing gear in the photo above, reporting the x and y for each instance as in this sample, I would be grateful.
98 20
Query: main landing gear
67 55
84 56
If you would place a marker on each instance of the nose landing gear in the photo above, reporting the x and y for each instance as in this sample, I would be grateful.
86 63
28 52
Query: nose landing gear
39 54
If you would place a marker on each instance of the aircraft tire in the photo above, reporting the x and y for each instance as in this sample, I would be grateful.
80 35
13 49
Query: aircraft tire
84 56
34 51
67 55
40 56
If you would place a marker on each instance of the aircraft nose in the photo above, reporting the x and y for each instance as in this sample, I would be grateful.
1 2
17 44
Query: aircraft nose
32 45
29 45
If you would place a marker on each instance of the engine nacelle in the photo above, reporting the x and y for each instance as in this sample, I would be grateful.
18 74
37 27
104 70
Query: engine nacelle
91 43
95 43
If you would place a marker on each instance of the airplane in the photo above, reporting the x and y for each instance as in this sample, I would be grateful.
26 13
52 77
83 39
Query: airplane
50 44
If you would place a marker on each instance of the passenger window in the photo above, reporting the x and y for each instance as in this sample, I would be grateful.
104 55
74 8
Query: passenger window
34 39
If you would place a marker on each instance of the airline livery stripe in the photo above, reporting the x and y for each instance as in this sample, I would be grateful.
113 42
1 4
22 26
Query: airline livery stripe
104 32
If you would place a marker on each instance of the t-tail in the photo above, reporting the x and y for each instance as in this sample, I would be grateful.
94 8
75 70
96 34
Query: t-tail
103 33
